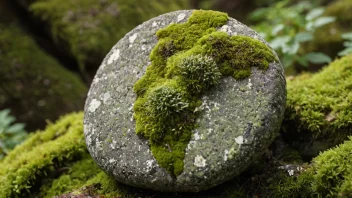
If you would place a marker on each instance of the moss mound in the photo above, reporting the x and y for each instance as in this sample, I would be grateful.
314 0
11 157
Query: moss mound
329 176
33 84
319 108
41 155
87 29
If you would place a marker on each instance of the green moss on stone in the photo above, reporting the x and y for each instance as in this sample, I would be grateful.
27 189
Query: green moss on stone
189 59
41 155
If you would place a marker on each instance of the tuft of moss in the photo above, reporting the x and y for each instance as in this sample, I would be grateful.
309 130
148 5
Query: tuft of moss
74 177
41 155
189 59
319 106
87 29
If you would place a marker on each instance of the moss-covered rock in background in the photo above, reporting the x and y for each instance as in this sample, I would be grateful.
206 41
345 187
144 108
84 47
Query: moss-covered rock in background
33 84
87 29
319 108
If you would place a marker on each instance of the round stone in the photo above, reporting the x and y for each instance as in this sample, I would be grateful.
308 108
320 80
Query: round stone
236 121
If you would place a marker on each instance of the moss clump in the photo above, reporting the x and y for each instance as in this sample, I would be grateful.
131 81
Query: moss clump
74 177
87 29
320 105
188 60
333 171
33 84
41 155
329 176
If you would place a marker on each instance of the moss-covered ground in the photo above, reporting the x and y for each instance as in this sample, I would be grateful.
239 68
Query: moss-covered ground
319 107
55 161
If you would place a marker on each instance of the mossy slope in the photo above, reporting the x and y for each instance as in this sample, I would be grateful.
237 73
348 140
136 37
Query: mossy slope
87 29
319 107
32 84
41 155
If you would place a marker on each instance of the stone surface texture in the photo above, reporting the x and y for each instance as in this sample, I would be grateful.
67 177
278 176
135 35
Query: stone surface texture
238 119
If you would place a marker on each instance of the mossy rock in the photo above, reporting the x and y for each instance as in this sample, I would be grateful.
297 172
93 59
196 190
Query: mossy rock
87 29
319 108
181 100
33 84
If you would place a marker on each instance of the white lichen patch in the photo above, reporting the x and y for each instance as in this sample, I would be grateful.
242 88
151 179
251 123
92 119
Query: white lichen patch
132 38
225 155
196 136
114 56
199 161
94 105
239 140
291 172
106 97
88 140
249 85
180 17
225 28
149 165
154 24
112 160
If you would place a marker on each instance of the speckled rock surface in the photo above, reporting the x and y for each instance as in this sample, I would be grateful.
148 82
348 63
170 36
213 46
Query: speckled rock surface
238 119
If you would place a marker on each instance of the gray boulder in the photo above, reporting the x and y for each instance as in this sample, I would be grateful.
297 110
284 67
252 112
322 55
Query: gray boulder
237 120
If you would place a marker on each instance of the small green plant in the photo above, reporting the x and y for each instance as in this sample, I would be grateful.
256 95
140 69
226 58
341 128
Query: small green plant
347 44
11 133
287 26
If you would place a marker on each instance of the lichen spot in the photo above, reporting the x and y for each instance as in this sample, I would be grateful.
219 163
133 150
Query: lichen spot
225 28
106 97
132 38
225 154
199 161
114 56
149 164
180 17
94 105
239 140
